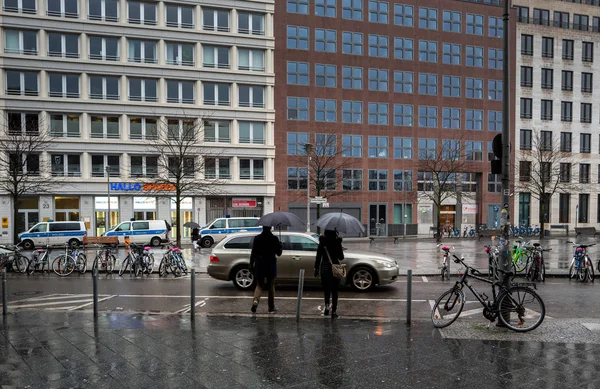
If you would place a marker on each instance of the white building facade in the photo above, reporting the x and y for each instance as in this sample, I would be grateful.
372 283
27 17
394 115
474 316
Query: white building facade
105 77
557 83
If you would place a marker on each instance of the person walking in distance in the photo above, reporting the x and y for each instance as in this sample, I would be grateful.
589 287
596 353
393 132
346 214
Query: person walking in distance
195 237
263 264
329 251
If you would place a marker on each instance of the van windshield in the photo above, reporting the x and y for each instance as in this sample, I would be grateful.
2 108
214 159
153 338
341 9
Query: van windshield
39 228
123 227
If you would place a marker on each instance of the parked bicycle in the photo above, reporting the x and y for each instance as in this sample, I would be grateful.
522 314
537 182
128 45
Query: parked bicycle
581 265
39 260
104 259
521 252
517 306
445 270
536 266
144 262
172 261
133 252
493 253
14 261
72 259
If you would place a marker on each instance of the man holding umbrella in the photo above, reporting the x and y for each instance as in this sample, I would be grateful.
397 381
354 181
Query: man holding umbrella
263 264
266 247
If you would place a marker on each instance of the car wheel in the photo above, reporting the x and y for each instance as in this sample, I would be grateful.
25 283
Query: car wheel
156 241
243 279
206 242
28 245
362 279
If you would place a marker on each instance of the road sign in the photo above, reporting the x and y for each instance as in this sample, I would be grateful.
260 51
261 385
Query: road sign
325 205
496 208
318 200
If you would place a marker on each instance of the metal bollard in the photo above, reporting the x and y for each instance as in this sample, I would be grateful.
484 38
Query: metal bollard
193 294
4 293
300 290
409 297
95 290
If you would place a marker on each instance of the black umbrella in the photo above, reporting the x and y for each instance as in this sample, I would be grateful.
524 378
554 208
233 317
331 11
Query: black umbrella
191 225
280 219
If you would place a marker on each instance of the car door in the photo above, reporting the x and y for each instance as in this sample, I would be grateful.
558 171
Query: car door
39 234
303 252
284 262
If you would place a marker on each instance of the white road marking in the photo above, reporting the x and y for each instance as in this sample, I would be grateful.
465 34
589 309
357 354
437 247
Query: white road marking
250 297
48 303
188 308
55 297
90 303
425 279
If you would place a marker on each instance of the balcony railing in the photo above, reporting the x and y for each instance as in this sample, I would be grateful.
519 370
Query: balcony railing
101 57
19 92
216 65
144 22
100 96
70 95
22 52
180 25
179 62
142 60
31 11
211 27
60 54
73 15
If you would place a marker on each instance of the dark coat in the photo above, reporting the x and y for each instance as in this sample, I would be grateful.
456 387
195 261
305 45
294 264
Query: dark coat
336 252
195 234
263 258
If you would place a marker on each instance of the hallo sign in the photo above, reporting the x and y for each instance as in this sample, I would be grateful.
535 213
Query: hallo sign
137 187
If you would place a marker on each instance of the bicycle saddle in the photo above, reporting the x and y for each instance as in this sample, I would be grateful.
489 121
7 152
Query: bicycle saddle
586 245
536 245
147 248
446 248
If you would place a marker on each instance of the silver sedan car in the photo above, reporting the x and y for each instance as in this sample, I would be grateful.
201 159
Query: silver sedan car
230 259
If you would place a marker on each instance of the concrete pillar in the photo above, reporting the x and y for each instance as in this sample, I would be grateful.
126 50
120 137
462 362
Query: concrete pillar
235 132
86 168
42 43
43 83
123 88
84 125
83 46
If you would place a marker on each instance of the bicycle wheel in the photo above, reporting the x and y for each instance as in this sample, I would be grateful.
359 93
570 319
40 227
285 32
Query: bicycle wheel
124 265
96 262
582 272
63 265
521 309
572 269
447 308
20 263
520 263
32 264
137 268
543 272
81 263
589 269
162 268
445 273
111 263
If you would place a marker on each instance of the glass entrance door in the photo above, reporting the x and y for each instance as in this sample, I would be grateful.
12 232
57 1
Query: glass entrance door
100 221
378 219
187 217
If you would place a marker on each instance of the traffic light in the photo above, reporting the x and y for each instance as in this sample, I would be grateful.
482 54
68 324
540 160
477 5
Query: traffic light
497 149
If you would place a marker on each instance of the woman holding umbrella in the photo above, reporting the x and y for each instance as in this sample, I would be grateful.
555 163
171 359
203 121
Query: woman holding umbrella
329 251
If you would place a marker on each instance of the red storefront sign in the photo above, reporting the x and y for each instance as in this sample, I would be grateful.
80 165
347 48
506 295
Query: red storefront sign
243 203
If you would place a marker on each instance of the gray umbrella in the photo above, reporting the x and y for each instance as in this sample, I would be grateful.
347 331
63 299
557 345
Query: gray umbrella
191 225
341 222
280 219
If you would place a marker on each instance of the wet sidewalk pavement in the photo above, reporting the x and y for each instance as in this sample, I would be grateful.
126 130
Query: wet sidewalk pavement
69 350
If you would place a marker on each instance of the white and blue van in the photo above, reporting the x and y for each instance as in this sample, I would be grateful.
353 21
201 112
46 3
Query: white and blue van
153 232
219 228
53 233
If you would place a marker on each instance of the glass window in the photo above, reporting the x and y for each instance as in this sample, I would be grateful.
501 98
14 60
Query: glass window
141 13
403 82
378 11
495 121
352 146
105 10
180 16
403 115
325 40
352 77
451 54
474 88
495 90
63 45
475 56
104 49
451 118
378 147
452 21
252 96
104 88
378 180
252 132
378 46
403 15
181 92
525 139
352 180
352 9
495 27
216 94
325 110
297 6
326 75
474 119
252 23
63 85
474 150
297 178
64 125
297 108
428 51
297 73
428 18
427 148
219 131
181 54
20 42
351 111
141 89
251 59
296 142
451 86
352 43
216 57
325 8
403 148
403 49
142 51
378 113
526 44
495 59
474 24
297 38
428 84
427 116
378 80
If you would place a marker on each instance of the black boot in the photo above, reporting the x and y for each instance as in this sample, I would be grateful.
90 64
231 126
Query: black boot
326 311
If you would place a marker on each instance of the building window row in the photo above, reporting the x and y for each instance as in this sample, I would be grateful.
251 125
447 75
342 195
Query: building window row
145 13
547 108
102 48
355 43
548 48
401 15
23 83
560 19
107 126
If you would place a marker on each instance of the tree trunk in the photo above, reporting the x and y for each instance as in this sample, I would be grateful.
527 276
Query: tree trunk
318 216
15 205
438 223
177 216
541 217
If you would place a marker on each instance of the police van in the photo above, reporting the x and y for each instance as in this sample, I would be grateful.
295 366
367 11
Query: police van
152 232
219 228
53 233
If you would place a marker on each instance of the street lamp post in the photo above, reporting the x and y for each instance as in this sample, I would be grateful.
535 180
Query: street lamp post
107 221
308 149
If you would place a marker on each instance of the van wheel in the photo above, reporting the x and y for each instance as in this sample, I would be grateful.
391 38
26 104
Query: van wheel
155 241
206 242
28 244
74 243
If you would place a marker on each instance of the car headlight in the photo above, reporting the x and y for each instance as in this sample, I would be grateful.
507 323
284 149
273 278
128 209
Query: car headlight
386 264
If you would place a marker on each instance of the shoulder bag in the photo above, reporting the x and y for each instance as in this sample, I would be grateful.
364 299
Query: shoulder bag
338 270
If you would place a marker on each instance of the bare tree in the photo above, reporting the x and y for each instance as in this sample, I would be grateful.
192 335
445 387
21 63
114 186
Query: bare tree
545 170
181 153
440 169
326 164
22 143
